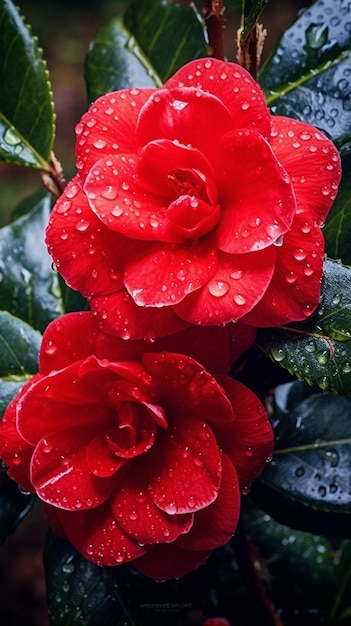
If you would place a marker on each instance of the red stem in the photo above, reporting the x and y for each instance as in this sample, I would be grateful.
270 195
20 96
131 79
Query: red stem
213 14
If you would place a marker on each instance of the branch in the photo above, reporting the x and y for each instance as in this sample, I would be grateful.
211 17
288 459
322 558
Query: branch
213 13
53 178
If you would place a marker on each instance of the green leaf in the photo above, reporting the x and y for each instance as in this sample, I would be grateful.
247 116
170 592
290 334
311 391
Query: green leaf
29 288
318 350
8 390
14 506
154 39
337 230
307 483
19 347
26 105
308 75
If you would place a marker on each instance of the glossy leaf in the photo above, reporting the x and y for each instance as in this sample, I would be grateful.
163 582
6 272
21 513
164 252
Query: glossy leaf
318 350
307 483
337 230
14 506
308 76
19 346
144 48
26 105
29 288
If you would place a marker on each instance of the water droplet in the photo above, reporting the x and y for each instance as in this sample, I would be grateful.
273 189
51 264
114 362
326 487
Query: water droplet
249 452
125 186
218 288
278 354
82 225
299 472
322 491
132 515
46 446
317 36
239 299
50 348
109 193
291 278
68 568
100 144
236 274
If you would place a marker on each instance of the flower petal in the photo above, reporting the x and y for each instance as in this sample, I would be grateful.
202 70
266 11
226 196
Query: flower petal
249 441
214 526
138 515
182 115
169 561
233 85
186 388
95 534
164 275
313 163
119 315
109 126
255 193
294 291
62 341
61 475
238 284
85 252
186 468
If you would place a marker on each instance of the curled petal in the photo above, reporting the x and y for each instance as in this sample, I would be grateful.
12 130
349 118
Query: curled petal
249 441
233 86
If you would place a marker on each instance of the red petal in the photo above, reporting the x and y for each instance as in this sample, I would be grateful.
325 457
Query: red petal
164 275
96 535
214 347
84 251
69 338
140 518
185 465
187 389
109 126
249 441
15 452
214 526
169 561
294 291
101 459
119 315
183 114
61 475
233 85
238 284
256 195
313 163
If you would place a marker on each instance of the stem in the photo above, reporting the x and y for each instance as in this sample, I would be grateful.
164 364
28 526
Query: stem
252 573
251 36
53 178
213 13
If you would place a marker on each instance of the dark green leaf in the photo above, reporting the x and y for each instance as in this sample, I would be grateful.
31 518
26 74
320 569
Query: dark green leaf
19 347
337 230
304 570
144 48
26 106
29 288
308 76
14 506
8 390
307 483
318 350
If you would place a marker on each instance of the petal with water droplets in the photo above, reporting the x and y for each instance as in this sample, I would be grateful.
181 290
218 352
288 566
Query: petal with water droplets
313 163
238 284
233 85
294 291
95 534
90 259
109 127
255 193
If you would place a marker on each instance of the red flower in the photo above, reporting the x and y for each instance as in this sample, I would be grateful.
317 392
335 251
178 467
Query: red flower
139 458
192 204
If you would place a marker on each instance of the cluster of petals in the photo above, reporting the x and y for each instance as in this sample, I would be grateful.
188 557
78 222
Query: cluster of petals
138 455
193 204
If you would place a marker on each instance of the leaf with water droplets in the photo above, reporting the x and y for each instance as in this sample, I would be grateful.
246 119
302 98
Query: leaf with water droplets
307 484
29 288
308 75
319 349
19 347
14 506
337 230
145 47
26 106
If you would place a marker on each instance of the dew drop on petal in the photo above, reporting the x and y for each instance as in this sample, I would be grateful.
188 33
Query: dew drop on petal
100 144
109 193
218 288
239 299
82 225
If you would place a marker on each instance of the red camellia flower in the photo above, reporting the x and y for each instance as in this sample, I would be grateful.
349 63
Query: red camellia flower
194 205
140 457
